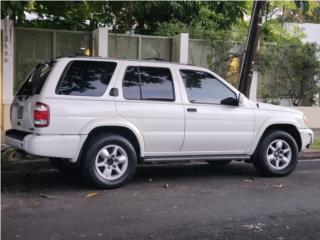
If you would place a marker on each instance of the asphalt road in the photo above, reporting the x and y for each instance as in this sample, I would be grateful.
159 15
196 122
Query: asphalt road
192 201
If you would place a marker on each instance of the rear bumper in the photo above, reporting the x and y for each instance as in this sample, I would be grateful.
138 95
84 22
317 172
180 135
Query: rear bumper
60 146
307 138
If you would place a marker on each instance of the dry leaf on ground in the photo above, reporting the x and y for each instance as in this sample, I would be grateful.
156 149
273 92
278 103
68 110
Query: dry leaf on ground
93 194
248 180
43 195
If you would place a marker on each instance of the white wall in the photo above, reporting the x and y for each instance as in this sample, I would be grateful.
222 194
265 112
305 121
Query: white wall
313 115
181 48
7 72
100 42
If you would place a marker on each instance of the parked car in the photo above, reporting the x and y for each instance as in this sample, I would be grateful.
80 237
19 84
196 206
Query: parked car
105 116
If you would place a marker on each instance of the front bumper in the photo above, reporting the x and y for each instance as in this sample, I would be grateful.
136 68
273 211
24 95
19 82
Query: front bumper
60 146
307 138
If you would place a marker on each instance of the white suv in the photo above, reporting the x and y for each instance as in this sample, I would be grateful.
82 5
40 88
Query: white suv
103 116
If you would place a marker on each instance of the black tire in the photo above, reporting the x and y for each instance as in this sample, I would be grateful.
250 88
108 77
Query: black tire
64 166
95 146
261 162
219 163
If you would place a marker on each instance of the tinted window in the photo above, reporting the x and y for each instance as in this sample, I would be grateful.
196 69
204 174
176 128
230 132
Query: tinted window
148 83
202 87
131 84
86 78
36 80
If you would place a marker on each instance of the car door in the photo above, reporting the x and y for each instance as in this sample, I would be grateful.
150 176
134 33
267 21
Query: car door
215 123
150 99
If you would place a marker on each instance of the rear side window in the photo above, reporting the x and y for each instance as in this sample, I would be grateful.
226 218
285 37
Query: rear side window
36 80
148 83
86 78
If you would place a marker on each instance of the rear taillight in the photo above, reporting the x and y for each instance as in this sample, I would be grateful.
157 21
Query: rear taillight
41 115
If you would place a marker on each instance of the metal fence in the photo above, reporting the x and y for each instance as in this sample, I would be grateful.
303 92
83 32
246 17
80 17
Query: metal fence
199 50
289 74
286 74
139 46
34 45
199 53
224 59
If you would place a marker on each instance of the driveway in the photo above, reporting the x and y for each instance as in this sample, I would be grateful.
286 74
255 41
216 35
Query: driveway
177 201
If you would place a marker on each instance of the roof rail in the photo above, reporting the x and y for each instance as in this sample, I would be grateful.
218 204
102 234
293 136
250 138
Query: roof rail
155 59
50 61
73 54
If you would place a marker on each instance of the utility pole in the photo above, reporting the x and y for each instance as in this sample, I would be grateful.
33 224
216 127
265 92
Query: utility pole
245 76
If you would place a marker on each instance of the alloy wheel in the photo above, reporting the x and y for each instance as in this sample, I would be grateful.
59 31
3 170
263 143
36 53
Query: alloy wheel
111 162
279 154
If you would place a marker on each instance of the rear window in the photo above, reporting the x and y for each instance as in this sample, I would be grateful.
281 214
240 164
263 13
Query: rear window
86 78
36 80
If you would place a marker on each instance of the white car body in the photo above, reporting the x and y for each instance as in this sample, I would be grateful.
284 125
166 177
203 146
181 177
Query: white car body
164 130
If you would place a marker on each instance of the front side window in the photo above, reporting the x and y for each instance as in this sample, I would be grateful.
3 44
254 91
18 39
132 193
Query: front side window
203 87
86 78
148 83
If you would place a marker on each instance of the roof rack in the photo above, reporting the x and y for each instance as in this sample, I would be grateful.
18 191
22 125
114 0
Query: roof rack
155 59
51 61
73 54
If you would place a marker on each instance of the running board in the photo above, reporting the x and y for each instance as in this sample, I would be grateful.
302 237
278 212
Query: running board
194 158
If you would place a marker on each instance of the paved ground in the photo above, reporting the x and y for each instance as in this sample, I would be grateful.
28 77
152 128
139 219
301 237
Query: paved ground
191 201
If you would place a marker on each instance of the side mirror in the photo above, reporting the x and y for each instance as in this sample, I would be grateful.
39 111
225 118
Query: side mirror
230 101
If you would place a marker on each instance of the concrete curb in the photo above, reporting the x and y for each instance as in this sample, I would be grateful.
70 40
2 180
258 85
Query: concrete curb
310 154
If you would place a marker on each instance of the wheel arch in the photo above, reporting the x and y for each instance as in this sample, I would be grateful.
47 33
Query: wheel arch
289 128
135 139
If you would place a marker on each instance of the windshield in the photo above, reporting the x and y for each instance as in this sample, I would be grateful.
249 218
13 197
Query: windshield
36 80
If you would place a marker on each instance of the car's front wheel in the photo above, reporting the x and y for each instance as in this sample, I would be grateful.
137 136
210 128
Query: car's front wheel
277 155
109 161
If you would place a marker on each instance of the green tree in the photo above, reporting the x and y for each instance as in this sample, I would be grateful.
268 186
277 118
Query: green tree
221 24
142 17
292 66
293 11
14 10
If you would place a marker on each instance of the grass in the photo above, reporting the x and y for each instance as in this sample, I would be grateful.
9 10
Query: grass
316 144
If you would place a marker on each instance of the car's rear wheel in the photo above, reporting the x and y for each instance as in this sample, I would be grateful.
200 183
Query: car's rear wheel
109 161
277 155
219 163
64 166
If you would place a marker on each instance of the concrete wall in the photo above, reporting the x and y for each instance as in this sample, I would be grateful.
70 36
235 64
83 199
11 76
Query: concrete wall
313 115
180 48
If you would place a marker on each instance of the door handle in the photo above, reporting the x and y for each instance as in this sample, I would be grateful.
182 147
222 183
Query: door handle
191 109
